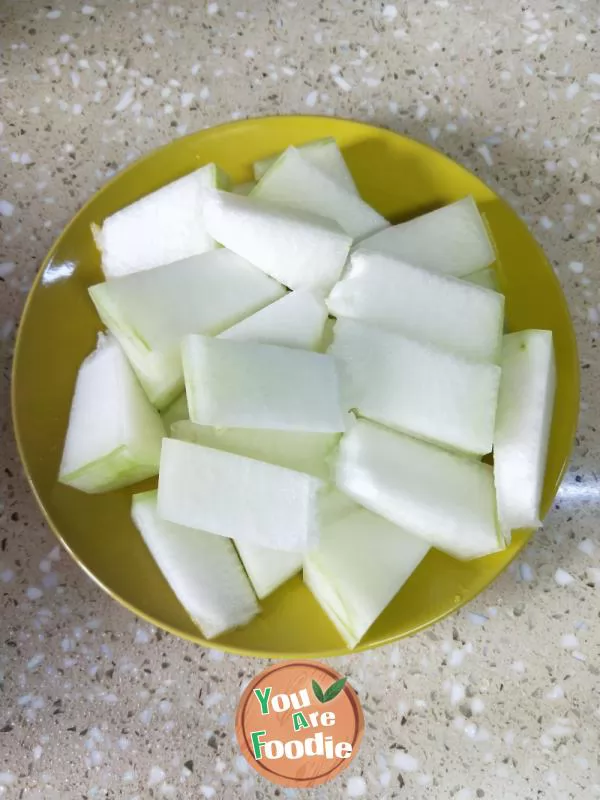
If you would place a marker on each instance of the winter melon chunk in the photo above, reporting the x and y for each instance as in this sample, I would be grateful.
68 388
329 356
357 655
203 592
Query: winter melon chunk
297 248
523 421
247 385
444 311
322 153
203 570
361 562
244 499
160 228
114 434
268 568
294 182
453 240
444 498
416 388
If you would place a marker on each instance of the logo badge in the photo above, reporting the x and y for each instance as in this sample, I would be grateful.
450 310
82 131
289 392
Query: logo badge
299 723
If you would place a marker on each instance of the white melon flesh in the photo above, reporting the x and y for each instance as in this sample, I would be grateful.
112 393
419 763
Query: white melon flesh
523 421
322 153
453 240
444 498
177 411
160 228
416 388
293 182
248 385
231 495
244 188
304 452
447 312
114 434
268 569
299 249
361 563
484 277
296 320
203 570
150 311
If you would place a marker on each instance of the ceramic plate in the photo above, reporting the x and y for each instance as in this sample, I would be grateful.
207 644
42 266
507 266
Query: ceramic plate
400 178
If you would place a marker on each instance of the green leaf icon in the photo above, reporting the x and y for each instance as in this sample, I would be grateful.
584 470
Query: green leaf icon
334 690
318 692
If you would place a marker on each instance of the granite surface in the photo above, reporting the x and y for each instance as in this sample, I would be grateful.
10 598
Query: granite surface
503 699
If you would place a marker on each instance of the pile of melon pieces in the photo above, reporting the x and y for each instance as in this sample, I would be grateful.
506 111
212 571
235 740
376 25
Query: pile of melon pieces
314 387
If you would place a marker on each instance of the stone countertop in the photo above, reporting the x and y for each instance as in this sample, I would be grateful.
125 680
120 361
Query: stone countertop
502 700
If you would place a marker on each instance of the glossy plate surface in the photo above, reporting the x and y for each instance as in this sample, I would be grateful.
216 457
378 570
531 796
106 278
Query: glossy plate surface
400 178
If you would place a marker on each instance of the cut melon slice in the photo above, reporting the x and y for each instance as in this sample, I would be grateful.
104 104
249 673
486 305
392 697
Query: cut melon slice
160 228
293 182
299 249
444 498
244 188
176 412
296 320
453 240
322 153
203 570
239 497
150 311
114 434
444 311
362 561
268 569
523 421
484 277
416 388
247 385
304 452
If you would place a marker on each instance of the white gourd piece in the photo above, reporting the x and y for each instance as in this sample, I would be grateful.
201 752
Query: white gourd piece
160 228
416 388
453 240
361 563
203 570
149 312
444 311
268 569
321 153
293 182
299 249
247 385
296 320
301 451
444 498
523 422
114 434
242 498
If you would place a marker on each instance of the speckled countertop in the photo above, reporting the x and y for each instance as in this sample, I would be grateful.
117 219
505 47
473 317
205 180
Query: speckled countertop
503 699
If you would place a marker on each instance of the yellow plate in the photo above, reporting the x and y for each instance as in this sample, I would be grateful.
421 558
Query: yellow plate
400 178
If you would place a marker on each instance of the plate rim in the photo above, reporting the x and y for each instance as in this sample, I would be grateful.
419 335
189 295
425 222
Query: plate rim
343 650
